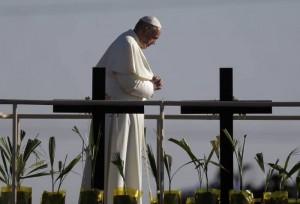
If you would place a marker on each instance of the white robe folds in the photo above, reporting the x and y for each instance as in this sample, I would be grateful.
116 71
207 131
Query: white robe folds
128 76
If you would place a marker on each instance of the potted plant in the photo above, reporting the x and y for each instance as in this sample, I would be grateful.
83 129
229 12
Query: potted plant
124 195
259 158
153 166
202 195
57 196
89 152
171 196
281 196
28 165
239 196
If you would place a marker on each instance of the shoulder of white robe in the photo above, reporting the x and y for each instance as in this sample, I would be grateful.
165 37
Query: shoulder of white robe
141 68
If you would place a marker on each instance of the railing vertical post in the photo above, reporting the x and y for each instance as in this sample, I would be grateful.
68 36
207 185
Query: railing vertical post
160 159
14 162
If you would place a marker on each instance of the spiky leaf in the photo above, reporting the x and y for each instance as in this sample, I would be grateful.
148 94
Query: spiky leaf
168 164
51 150
30 148
119 163
293 170
292 153
152 162
69 167
259 158
184 145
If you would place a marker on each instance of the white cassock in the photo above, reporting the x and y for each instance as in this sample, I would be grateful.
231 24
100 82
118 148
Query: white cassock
128 76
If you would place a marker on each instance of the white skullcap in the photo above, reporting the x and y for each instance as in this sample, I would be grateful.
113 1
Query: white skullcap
152 20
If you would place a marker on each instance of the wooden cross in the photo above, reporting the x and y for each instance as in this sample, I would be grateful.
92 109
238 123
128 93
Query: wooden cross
98 119
226 122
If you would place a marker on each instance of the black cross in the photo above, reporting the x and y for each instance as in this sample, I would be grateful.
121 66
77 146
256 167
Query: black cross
226 122
98 119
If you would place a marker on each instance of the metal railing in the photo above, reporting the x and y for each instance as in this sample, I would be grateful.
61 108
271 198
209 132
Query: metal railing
15 117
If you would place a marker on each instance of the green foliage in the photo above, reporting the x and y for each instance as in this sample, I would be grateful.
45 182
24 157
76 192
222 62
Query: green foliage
119 163
283 171
201 165
259 158
89 150
24 155
238 150
152 163
63 168
168 164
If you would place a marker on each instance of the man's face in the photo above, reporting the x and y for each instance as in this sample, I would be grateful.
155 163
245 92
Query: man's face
149 37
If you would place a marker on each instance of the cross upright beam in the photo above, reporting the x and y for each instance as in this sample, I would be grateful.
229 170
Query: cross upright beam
226 122
98 119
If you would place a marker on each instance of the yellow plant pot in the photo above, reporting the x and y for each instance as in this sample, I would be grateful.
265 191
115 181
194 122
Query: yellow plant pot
153 201
190 200
53 197
172 197
294 201
202 196
91 196
24 195
126 196
276 197
266 198
241 197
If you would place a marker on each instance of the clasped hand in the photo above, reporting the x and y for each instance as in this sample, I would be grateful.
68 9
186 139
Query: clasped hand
157 82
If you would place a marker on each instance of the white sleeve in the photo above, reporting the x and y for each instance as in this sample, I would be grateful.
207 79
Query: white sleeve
134 86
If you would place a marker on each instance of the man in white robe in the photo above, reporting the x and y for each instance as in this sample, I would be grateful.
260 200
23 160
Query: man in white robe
128 77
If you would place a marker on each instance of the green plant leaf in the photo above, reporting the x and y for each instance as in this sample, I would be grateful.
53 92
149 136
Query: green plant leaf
119 164
10 147
293 152
4 161
269 176
208 159
52 150
243 148
5 147
184 145
230 139
85 149
259 158
38 166
168 164
293 170
152 162
3 176
30 148
216 146
218 165
35 175
277 167
3 180
69 167
22 134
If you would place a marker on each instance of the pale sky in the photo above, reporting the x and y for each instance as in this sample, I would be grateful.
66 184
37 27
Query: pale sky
47 50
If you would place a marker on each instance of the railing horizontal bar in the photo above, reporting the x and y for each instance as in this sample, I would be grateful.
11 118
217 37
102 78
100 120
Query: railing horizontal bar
155 117
203 103
48 116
